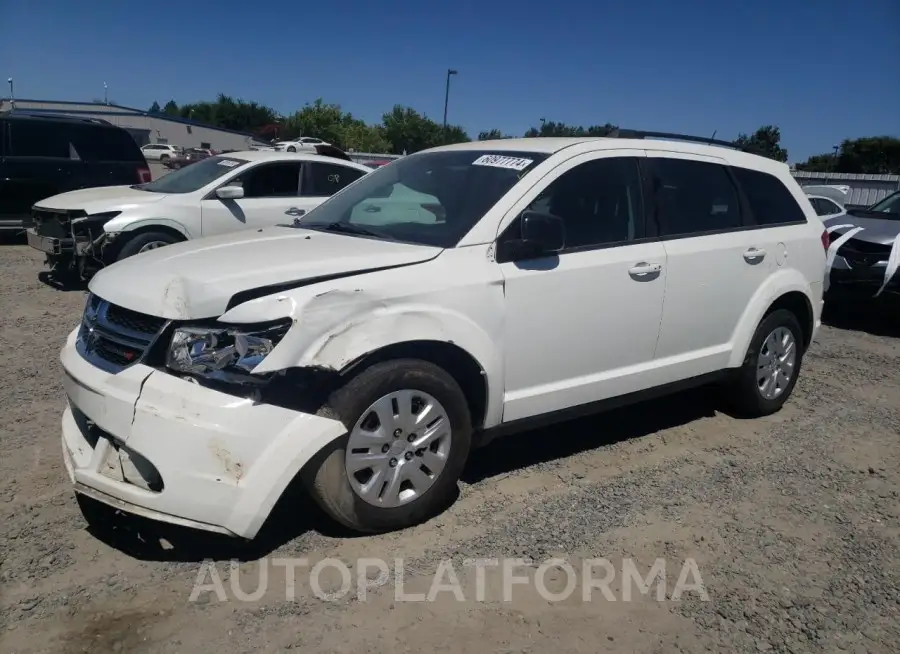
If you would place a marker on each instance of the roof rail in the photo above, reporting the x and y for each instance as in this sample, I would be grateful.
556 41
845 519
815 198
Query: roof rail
640 134
46 116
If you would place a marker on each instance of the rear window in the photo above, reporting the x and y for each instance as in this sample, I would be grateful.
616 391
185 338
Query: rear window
770 201
94 143
33 138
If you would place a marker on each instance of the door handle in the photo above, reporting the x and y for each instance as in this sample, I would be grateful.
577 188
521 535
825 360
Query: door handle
643 270
754 255
294 211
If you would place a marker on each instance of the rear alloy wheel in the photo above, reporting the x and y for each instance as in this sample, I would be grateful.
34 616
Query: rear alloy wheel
409 433
771 367
291 148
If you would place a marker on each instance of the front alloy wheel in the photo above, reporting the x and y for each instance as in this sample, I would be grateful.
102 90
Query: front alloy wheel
409 433
398 448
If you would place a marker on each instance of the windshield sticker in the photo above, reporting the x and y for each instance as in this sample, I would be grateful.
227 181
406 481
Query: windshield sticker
499 161
229 163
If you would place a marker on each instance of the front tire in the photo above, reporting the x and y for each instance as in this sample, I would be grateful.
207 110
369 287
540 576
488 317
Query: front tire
143 242
767 378
409 435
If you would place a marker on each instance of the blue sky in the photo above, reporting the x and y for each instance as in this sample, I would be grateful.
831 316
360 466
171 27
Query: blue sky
822 70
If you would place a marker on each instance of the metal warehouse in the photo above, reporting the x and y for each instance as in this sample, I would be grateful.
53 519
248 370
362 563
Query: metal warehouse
144 126
865 190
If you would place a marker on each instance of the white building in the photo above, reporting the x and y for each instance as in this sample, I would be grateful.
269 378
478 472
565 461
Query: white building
144 126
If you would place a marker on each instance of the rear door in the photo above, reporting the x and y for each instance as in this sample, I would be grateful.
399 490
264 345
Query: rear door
271 197
109 156
38 163
716 261
322 180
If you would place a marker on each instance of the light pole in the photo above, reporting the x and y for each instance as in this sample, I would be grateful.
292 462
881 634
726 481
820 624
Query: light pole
12 96
450 72
105 94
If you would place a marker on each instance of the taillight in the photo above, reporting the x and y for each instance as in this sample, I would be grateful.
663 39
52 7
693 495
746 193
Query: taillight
826 239
144 175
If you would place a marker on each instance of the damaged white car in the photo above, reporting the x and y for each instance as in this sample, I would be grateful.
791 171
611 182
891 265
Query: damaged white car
81 231
452 296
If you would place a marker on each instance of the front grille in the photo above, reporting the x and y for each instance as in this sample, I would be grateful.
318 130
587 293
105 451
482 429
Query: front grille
864 254
113 337
55 224
134 321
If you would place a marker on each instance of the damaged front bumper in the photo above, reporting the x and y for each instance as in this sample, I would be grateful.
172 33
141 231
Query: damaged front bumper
149 443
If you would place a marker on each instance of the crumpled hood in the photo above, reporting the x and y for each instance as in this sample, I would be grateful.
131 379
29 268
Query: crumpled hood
875 230
196 279
100 199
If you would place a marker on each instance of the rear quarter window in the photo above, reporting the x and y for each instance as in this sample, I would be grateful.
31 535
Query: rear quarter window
771 203
95 143
33 138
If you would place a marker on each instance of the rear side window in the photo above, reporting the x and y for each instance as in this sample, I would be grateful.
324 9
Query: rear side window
693 197
104 144
327 179
770 201
37 138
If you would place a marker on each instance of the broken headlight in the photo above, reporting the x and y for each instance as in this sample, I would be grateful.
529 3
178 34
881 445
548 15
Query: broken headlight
225 352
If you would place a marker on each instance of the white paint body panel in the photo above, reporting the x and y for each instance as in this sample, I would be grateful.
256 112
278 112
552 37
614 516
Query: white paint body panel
546 337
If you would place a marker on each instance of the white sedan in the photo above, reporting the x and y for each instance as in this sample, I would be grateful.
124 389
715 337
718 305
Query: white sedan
82 230
300 144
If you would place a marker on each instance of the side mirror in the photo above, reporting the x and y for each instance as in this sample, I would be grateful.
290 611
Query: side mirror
541 234
230 192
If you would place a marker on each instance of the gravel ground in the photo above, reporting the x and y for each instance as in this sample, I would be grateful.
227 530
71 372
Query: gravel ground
792 522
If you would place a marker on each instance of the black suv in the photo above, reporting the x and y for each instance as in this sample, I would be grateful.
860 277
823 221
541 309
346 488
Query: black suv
43 155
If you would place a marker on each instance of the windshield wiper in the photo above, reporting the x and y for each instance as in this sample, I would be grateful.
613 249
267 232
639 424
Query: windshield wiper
341 227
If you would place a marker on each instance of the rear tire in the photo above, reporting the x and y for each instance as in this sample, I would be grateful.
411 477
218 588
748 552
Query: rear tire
144 241
767 378
164 158
424 478
291 149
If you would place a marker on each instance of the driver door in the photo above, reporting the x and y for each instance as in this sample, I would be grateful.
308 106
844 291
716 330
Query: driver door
271 197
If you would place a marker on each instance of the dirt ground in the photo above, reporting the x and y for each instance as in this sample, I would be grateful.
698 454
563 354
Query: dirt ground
792 522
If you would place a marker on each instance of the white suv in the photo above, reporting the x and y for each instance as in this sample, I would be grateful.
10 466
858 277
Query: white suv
445 298
160 152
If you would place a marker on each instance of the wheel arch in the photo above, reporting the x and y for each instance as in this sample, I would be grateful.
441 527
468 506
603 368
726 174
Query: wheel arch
787 290
457 362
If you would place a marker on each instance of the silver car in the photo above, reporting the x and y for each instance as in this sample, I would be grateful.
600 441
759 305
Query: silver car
865 262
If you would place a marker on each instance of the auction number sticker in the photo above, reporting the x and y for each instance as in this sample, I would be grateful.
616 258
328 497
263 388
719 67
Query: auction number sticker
229 163
500 161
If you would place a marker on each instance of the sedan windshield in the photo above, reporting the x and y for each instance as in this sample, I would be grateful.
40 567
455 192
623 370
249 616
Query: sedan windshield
194 177
890 205
432 198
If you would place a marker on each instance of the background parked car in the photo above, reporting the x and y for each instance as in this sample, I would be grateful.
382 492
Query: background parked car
866 264
43 155
300 144
186 158
82 231
160 152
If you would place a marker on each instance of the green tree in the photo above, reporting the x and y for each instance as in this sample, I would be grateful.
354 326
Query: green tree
766 140
552 128
490 135
324 121
409 131
868 155
154 108
455 134
171 108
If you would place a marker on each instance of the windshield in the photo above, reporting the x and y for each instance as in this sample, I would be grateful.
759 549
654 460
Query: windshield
194 177
432 198
891 204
